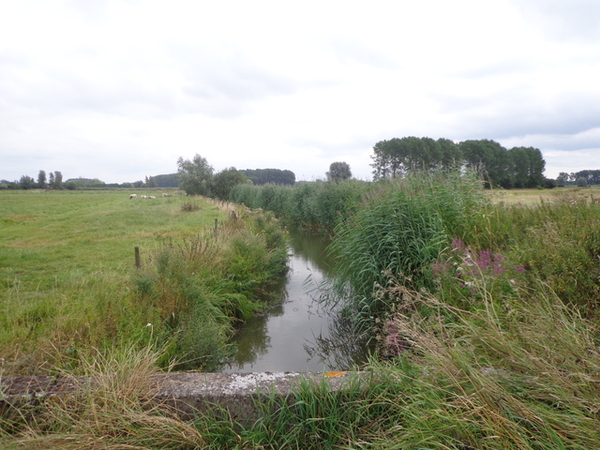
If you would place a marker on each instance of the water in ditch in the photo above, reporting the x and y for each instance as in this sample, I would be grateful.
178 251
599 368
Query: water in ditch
299 333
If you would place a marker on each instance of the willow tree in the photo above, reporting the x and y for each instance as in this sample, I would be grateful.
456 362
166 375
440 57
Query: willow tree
194 175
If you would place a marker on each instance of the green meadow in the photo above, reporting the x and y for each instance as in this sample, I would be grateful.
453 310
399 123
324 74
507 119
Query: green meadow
484 306
70 286
50 236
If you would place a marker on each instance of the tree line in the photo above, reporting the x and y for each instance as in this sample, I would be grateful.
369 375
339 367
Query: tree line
582 178
519 167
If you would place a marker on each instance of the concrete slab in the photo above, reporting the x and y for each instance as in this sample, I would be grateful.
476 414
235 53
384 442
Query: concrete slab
190 393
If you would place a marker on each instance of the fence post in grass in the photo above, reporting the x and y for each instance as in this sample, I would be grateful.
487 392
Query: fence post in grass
216 226
138 264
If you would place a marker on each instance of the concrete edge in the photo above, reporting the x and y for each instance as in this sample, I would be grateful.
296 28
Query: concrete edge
190 393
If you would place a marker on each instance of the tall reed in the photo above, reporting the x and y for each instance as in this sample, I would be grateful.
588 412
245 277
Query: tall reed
400 230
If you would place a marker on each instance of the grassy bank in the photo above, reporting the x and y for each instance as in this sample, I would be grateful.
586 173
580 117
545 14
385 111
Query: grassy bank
70 287
485 312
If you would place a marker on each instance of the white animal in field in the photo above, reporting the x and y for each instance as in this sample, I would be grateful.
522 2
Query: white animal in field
132 196
165 195
143 196
152 196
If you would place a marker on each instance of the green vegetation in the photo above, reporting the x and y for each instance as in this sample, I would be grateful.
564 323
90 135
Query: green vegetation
70 287
518 167
485 307
317 205
273 176
339 171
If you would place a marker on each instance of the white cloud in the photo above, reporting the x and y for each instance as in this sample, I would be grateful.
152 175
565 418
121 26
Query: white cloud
118 89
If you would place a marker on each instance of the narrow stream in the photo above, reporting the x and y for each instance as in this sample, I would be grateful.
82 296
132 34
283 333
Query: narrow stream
298 333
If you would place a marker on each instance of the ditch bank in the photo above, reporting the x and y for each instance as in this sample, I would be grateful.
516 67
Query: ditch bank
239 395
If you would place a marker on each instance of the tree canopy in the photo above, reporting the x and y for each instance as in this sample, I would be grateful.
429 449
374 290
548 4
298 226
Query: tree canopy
194 175
521 167
223 182
396 157
339 171
275 176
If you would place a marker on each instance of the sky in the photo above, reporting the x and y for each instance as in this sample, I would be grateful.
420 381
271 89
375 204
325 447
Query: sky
120 89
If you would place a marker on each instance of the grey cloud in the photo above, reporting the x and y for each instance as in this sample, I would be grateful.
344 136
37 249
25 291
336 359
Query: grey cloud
516 111
339 148
226 86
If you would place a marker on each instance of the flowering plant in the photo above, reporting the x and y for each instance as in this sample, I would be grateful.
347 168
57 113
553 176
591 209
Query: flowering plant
471 274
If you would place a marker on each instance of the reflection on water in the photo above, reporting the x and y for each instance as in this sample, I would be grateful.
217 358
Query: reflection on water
298 333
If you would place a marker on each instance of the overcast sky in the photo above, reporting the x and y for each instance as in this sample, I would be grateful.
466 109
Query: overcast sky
118 90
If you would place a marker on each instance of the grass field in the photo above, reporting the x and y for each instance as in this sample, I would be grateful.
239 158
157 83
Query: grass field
503 354
529 197
47 235
68 281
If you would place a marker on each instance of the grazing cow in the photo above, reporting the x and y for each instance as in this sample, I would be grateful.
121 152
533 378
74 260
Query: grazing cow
132 196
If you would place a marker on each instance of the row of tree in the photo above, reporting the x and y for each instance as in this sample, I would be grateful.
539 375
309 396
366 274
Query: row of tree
519 167
266 176
52 180
581 178
197 177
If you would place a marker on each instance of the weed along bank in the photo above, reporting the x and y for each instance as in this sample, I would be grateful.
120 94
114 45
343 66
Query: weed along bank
484 314
90 274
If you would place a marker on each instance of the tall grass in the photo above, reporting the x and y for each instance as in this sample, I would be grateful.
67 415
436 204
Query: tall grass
116 409
400 230
201 286
316 205
70 285
558 242
521 373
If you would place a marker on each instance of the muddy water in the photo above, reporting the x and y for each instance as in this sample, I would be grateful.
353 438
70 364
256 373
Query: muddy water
299 333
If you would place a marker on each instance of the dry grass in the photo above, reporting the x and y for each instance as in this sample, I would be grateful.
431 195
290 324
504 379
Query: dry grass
529 197
116 410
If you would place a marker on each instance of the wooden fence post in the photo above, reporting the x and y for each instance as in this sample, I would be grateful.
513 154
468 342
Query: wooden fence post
138 264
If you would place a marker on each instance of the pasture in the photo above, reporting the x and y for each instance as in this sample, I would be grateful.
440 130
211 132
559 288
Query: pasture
530 197
502 353
66 264
48 236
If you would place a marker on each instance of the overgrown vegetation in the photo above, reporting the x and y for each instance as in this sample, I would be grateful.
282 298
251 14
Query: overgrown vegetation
485 313
70 287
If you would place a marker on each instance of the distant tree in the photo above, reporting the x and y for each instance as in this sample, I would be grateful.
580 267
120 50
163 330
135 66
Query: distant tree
26 182
56 180
195 175
451 155
274 176
582 182
397 157
562 179
41 181
592 176
223 182
150 182
168 180
339 171
526 167
138 184
489 159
